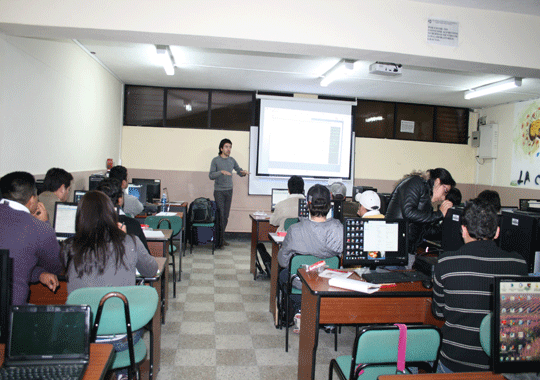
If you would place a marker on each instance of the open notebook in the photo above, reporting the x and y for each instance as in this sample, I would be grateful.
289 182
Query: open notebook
47 339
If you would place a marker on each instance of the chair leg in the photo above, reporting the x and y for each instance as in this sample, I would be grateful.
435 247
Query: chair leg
335 337
173 275
286 320
179 265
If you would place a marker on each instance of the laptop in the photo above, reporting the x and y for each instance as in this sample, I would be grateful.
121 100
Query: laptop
138 191
64 219
515 335
77 195
48 338
278 195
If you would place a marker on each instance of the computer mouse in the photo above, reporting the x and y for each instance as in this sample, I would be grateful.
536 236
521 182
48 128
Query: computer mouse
428 284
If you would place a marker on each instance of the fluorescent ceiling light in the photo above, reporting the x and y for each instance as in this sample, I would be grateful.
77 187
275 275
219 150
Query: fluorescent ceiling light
493 88
166 58
341 69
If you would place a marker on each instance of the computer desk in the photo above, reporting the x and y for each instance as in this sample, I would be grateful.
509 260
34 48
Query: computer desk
260 227
274 273
101 357
323 305
159 247
446 376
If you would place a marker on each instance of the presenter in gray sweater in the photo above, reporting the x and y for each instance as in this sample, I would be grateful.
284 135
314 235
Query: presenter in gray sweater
221 173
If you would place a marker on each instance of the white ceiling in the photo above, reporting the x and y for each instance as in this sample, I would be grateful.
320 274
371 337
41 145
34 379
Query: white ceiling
136 63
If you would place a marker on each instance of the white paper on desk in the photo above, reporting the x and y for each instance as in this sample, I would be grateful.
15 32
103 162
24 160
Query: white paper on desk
153 234
166 213
356 285
331 273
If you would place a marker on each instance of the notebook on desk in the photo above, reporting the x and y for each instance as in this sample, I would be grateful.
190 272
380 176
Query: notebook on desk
47 339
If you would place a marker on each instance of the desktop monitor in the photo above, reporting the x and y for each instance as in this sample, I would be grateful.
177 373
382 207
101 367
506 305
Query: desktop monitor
40 186
529 205
452 240
6 281
515 331
374 242
138 191
64 219
278 195
77 195
94 180
153 188
520 232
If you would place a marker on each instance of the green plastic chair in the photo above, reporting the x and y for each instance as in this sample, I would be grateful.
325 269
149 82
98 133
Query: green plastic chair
485 334
296 263
173 223
375 351
120 310
289 222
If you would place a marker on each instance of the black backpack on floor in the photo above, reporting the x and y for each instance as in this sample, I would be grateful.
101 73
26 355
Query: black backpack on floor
263 261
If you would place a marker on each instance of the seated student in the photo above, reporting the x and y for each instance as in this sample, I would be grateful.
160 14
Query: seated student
369 205
57 184
491 196
433 231
113 189
463 285
31 242
316 236
132 205
288 208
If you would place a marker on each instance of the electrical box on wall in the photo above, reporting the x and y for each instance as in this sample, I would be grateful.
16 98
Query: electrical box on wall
489 141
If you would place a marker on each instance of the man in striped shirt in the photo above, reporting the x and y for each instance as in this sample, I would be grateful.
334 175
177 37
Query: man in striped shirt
463 287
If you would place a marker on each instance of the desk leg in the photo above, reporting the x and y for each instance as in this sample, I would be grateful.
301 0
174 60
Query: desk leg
274 276
309 335
149 368
254 240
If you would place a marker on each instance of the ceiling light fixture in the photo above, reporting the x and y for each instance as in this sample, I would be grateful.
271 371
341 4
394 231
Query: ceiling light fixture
493 88
342 68
166 58
189 107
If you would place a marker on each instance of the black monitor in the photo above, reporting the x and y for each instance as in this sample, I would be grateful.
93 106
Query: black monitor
515 331
153 188
6 283
452 239
529 205
520 232
94 180
374 242
40 186
385 200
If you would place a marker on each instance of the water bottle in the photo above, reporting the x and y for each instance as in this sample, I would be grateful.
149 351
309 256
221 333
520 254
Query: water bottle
164 200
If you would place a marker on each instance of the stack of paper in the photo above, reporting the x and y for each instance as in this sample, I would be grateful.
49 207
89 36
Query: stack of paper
350 284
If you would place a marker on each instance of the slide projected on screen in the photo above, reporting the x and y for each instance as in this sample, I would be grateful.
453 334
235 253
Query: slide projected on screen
304 138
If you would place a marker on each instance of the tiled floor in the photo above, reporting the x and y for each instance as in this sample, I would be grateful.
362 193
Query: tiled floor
219 326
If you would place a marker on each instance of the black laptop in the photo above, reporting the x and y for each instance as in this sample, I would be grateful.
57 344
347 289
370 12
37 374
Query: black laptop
64 219
47 342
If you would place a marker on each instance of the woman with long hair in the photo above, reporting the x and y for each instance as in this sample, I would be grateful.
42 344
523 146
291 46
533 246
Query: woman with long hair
101 253
413 198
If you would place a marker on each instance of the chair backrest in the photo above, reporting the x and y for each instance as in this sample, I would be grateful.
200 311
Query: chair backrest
485 334
378 345
298 260
143 302
289 222
173 223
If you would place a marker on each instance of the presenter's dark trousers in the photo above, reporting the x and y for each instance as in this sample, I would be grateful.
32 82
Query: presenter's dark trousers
223 200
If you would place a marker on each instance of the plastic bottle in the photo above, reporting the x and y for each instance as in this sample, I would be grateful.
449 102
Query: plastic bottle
164 200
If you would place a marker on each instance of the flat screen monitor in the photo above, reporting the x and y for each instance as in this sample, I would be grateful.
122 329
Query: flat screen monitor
520 232
452 239
529 205
6 281
278 195
40 186
77 195
153 188
515 332
138 191
374 242
64 219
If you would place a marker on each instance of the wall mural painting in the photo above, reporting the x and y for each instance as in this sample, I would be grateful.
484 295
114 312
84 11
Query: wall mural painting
526 145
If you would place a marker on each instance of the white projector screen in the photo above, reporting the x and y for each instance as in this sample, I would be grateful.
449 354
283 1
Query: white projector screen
306 138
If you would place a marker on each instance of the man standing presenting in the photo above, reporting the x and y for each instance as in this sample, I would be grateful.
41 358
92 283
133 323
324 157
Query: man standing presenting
31 242
463 287
221 173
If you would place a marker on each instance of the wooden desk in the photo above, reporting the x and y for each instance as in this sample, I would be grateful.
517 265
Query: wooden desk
260 227
159 247
101 357
446 376
323 305
274 274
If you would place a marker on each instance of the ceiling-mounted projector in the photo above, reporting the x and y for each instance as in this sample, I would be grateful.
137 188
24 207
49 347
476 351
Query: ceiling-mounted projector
383 68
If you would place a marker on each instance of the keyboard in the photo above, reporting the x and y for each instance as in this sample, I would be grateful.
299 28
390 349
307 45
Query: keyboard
43 372
394 277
